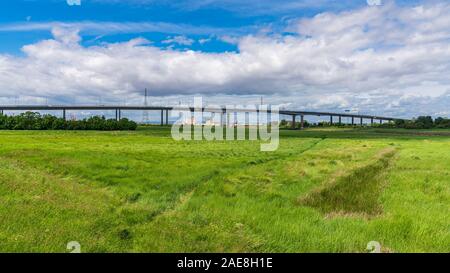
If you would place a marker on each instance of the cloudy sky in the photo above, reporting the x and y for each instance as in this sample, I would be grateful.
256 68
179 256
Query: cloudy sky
370 56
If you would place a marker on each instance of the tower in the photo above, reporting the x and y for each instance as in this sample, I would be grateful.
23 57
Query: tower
145 117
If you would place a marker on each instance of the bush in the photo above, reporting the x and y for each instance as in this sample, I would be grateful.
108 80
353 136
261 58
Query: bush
35 121
423 122
442 123
285 124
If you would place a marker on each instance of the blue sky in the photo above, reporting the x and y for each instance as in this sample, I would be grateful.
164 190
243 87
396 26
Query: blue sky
389 56
214 17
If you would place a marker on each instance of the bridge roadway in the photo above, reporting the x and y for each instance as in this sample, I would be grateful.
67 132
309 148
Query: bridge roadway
165 110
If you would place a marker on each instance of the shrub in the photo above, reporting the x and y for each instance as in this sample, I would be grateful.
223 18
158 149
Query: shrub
423 122
442 123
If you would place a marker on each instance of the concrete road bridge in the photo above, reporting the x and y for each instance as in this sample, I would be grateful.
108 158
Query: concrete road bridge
335 118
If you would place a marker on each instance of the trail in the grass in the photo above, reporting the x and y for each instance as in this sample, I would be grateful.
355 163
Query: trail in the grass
355 192
184 197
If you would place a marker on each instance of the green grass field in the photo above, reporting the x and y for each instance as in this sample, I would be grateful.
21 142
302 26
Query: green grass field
329 190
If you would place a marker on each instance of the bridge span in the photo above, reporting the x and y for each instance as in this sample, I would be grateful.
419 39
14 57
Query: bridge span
165 112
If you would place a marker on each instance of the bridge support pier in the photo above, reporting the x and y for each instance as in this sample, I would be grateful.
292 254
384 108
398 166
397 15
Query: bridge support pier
302 122
371 121
117 114
1 112
64 114
353 120
162 117
340 120
361 122
331 120
381 121
293 122
167 117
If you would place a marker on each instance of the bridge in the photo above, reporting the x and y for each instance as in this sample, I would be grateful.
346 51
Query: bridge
165 112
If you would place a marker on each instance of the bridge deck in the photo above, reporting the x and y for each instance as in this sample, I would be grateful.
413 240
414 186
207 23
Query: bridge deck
163 108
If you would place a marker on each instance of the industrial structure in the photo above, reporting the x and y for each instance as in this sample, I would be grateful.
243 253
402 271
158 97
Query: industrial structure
145 117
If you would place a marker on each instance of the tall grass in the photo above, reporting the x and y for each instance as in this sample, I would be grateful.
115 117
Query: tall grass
143 192
355 192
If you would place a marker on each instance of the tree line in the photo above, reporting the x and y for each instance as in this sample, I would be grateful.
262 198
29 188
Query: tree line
36 121
423 122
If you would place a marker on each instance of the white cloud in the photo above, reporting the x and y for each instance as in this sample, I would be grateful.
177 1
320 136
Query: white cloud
180 40
382 59
203 41
101 28
66 36
73 2
230 39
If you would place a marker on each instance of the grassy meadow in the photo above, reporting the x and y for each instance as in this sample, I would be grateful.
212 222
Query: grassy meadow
323 190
